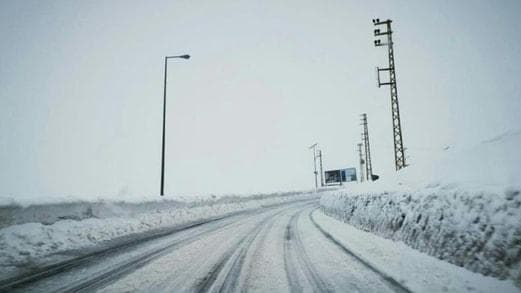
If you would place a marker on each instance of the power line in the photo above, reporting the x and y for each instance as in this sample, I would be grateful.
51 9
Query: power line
321 170
399 152
314 147
367 149
361 162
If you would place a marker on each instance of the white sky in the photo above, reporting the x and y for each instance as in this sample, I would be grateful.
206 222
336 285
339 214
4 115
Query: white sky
81 86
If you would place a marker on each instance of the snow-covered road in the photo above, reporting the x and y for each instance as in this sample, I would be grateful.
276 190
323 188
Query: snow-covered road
284 248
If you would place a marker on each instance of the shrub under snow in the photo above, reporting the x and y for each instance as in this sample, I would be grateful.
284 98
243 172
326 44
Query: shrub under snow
464 207
480 232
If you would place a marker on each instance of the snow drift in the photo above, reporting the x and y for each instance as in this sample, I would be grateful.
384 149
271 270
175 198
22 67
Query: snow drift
39 234
465 208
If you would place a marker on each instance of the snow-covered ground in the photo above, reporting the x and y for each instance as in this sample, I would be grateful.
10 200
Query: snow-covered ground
291 247
417 271
464 207
36 234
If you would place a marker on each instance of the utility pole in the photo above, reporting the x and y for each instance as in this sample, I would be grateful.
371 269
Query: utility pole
314 147
361 162
399 155
321 170
367 149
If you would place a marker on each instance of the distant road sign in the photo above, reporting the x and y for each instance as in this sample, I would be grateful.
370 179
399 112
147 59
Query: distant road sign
341 175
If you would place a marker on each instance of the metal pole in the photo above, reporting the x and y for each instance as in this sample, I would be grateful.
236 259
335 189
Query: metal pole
365 138
313 147
315 167
163 136
399 150
367 175
361 162
162 191
321 170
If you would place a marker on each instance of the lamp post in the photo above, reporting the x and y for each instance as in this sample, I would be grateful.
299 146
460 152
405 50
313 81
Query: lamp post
164 118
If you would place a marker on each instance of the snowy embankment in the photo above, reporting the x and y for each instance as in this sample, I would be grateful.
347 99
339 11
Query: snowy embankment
465 208
38 234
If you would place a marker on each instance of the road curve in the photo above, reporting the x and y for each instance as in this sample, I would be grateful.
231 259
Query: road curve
274 249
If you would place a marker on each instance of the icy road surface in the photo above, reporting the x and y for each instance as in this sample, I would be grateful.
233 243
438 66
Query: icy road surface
285 248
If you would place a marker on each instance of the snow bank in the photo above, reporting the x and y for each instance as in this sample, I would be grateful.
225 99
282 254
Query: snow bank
50 209
39 234
465 208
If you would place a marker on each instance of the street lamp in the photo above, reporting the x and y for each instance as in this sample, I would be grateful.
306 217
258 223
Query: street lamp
164 118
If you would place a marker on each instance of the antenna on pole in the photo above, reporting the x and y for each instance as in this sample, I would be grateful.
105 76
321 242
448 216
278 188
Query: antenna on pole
399 151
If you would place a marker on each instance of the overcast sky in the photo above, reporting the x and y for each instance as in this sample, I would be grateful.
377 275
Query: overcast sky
81 89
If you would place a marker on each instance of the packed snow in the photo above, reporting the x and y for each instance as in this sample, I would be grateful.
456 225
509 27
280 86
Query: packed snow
43 234
464 208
